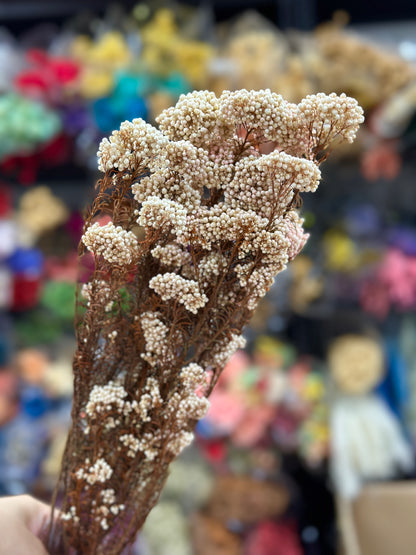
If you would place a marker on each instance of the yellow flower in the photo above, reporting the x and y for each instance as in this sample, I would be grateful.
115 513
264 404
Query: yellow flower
340 251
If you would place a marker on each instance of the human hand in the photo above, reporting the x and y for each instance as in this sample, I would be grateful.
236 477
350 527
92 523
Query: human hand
21 520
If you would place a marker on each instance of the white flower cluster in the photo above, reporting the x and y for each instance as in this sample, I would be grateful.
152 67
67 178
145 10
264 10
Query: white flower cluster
105 398
70 515
179 441
185 405
211 123
266 184
193 118
98 291
157 212
107 511
261 112
182 173
227 298
269 242
224 223
193 407
223 168
276 246
210 266
149 444
132 443
149 399
131 148
192 376
295 233
100 472
103 513
111 397
185 291
115 244
171 254
222 351
261 279
223 156
110 423
330 116
155 333
108 495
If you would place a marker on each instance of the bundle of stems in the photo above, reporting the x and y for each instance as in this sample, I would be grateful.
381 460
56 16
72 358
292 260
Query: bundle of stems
189 227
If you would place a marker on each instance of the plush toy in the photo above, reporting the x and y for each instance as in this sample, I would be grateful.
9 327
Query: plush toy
367 442
366 439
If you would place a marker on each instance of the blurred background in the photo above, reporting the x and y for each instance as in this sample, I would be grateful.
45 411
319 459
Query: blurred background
309 445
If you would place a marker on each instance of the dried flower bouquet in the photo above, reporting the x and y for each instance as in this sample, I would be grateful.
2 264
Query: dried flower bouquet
203 216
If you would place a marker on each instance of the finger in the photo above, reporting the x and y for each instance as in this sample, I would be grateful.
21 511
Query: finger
32 513
27 544
39 517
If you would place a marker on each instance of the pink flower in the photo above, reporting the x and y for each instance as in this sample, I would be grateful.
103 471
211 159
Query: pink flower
273 538
394 283
235 367
226 411
253 425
